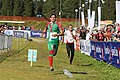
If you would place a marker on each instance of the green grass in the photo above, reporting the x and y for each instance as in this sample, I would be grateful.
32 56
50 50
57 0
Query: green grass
14 64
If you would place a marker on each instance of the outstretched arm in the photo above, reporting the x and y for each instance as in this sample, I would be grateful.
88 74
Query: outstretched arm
44 31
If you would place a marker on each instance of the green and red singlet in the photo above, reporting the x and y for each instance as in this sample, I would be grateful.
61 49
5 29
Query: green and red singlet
53 42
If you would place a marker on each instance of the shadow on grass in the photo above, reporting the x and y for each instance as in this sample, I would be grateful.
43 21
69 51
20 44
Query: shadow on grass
58 72
73 72
79 73
84 65
38 66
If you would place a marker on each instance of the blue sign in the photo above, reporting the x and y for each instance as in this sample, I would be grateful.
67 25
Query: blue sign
93 48
36 34
115 53
107 52
99 51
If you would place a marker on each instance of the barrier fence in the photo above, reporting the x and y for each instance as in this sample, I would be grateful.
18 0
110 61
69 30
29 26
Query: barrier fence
105 51
6 39
5 42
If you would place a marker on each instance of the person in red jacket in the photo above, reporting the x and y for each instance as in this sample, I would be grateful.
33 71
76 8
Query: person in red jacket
100 36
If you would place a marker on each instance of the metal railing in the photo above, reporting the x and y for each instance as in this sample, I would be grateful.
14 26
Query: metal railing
5 42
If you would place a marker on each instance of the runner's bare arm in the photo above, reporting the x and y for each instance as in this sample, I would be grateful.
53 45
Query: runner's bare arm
44 31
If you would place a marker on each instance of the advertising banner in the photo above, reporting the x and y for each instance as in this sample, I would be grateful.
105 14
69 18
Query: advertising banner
107 52
36 34
18 34
85 47
93 49
115 53
118 12
99 51
82 47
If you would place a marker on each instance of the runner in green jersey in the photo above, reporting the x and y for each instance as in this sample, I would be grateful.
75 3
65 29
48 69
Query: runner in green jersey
54 31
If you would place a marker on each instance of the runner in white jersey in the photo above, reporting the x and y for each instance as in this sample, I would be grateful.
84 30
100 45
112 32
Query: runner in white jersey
70 35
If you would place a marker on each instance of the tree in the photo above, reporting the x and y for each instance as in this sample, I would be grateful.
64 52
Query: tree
51 6
111 10
68 8
18 7
0 6
108 10
28 8
38 6
10 7
5 7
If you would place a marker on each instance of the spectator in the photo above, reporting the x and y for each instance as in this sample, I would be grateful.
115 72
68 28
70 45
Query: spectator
108 33
19 28
23 27
100 36
88 35
77 39
117 27
82 34
117 37
2 29
32 28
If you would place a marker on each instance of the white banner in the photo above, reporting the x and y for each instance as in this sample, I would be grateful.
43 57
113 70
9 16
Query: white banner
92 21
99 17
85 47
118 12
17 32
89 16
83 19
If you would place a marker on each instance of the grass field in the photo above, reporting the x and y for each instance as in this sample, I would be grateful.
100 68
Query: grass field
14 64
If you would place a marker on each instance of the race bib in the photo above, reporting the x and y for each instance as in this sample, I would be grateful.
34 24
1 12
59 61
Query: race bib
52 37
70 40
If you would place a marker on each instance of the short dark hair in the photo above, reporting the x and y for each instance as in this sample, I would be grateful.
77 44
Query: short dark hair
54 15
70 25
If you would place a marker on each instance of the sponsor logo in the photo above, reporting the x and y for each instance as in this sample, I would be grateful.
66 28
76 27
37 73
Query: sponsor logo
92 47
35 33
18 34
107 50
114 52
98 49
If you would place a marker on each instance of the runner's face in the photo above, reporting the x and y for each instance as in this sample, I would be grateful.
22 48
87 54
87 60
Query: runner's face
53 18
70 28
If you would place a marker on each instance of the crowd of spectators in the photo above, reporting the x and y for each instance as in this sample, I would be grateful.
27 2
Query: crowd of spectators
109 32
7 27
2 28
